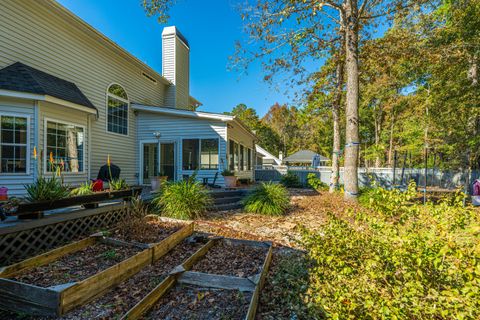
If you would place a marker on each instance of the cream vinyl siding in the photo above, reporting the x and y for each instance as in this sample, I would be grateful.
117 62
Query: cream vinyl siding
16 182
182 64
56 113
174 128
241 136
42 36
168 68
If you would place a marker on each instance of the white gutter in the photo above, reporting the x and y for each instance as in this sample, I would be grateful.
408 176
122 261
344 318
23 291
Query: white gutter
183 113
47 98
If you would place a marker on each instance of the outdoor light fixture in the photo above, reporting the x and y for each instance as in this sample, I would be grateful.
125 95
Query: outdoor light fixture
157 134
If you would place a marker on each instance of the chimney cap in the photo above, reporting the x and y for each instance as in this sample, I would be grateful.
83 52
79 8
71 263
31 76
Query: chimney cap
173 30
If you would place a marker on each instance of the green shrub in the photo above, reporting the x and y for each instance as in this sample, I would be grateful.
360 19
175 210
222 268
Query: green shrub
267 198
290 180
416 262
84 190
118 184
315 183
46 189
186 199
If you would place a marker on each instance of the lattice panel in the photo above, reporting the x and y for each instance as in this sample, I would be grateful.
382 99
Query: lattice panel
27 243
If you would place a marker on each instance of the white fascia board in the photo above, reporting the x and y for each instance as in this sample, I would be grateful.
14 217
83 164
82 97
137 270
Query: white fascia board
267 154
183 113
47 98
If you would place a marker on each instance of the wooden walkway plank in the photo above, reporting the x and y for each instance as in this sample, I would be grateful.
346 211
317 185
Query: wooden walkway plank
209 280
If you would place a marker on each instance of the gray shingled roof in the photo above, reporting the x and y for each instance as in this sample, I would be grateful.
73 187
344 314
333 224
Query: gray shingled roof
23 78
303 156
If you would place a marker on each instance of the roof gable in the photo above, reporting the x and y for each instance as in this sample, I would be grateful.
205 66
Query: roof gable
22 78
303 156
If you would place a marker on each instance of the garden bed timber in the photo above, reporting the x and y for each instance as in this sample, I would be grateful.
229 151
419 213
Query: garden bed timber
114 303
191 302
233 258
145 230
57 299
173 296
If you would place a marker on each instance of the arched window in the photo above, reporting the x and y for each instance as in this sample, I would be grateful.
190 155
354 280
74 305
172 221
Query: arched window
117 110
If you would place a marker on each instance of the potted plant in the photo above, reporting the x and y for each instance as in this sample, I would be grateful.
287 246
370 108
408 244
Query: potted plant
229 178
158 181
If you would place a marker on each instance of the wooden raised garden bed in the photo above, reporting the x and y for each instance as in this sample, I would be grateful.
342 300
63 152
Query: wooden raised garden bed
216 293
35 209
26 287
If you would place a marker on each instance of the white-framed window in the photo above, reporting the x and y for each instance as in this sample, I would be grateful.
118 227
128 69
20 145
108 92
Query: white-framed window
117 110
14 144
200 154
65 142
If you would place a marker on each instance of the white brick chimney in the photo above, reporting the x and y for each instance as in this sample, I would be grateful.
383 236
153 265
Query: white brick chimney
176 68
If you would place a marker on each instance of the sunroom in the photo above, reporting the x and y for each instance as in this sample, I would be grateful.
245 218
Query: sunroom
176 143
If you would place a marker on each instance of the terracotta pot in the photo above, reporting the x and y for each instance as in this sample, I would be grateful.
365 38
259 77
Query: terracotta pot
230 181
157 182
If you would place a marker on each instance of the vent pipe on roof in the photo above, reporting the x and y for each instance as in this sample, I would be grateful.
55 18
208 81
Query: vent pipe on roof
176 67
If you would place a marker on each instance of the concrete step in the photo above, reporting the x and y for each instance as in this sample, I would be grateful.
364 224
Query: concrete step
227 200
226 206
228 193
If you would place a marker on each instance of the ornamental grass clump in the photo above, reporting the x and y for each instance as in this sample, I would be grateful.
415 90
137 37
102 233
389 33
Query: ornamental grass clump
44 189
185 200
267 198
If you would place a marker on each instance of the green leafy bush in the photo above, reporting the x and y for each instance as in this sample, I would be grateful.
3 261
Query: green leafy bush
290 180
84 190
118 184
413 262
267 198
314 182
46 189
186 199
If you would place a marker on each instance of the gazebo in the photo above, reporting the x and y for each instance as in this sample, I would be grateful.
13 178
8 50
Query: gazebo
305 158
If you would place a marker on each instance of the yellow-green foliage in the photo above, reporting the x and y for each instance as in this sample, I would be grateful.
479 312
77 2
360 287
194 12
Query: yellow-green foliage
400 260
314 182
267 198
186 199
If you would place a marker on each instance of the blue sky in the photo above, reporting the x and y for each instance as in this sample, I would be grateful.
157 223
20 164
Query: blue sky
211 27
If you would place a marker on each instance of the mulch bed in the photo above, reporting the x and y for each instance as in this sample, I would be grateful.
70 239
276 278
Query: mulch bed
77 266
122 298
234 260
189 303
145 231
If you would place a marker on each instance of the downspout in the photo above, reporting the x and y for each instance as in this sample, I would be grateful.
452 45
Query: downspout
89 147
36 135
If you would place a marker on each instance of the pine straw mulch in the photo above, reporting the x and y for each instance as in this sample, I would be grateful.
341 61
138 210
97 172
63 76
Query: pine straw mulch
193 303
78 265
146 230
237 260
122 298
309 209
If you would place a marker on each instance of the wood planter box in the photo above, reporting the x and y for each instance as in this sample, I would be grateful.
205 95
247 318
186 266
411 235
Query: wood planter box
40 206
58 300
181 274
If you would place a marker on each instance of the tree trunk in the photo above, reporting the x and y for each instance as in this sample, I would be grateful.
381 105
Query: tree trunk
378 133
351 109
335 177
390 147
